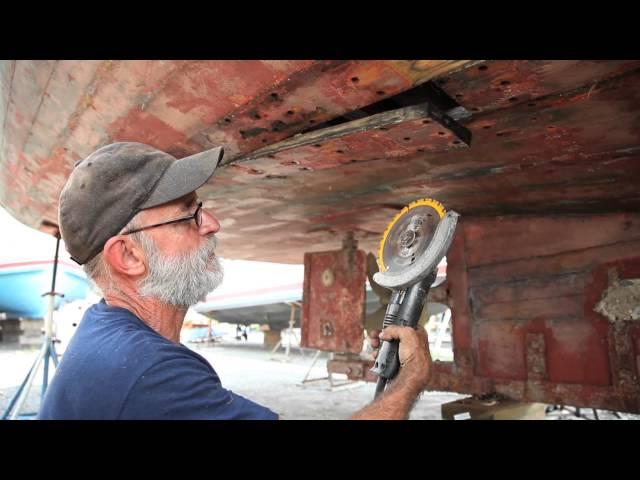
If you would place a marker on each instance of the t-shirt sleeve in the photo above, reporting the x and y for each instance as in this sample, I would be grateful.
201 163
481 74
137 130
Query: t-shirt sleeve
183 389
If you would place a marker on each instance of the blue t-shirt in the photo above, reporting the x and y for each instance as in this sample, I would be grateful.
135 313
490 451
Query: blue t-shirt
117 367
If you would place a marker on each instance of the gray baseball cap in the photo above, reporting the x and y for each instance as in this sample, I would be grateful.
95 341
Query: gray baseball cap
109 187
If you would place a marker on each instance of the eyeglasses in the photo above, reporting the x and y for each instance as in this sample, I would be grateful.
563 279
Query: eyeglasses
196 216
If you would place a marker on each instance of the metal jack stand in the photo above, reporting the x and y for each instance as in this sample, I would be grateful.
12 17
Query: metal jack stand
290 333
47 351
306 378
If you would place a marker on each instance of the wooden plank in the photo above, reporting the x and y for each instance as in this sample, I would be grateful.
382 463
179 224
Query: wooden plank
117 106
499 240
66 92
322 91
588 396
552 308
576 350
333 301
26 97
421 71
384 119
548 287
500 349
476 409
487 87
210 109
561 263
44 149
457 286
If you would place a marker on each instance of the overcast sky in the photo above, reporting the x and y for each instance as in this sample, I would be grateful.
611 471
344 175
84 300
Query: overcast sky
19 242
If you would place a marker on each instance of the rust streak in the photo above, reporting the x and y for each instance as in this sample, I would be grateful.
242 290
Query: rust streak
35 115
81 106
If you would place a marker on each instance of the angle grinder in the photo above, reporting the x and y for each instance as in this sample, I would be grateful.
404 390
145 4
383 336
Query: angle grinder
411 248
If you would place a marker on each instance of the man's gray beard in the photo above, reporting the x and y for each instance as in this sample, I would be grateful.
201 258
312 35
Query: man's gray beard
182 280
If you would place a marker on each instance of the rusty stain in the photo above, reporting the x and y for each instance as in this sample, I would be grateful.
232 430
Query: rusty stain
550 139
333 300
624 395
588 164
581 359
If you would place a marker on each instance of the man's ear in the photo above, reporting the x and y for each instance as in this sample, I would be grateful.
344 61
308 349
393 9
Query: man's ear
124 256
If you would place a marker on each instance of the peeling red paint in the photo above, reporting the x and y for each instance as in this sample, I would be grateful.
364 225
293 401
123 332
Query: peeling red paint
144 128
550 139
580 358
333 301
578 153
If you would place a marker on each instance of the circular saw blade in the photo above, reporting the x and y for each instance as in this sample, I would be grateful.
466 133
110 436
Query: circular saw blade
408 235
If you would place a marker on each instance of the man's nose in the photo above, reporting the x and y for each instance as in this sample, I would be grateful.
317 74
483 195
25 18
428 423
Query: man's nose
210 223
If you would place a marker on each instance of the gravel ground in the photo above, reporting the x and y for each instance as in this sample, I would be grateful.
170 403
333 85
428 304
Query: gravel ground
271 380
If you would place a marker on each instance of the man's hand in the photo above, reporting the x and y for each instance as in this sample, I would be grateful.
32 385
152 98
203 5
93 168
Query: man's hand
415 359
413 377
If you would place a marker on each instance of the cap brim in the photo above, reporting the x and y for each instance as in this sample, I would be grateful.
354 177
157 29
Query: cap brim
184 176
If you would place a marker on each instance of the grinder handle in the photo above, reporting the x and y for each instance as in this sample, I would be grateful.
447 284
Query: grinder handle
387 362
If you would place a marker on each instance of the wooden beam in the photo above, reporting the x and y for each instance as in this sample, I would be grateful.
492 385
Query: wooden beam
420 71
384 119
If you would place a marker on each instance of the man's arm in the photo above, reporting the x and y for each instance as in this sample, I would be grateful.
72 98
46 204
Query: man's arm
396 401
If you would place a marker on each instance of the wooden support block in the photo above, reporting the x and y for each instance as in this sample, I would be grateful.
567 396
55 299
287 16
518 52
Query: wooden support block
271 338
475 409
10 330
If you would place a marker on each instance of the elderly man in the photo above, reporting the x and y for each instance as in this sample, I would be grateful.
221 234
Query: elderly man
129 213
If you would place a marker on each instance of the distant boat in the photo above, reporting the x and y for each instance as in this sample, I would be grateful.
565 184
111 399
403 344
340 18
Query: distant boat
23 283
241 302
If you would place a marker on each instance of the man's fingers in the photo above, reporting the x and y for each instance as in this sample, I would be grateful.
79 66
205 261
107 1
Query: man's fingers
374 338
395 332
414 356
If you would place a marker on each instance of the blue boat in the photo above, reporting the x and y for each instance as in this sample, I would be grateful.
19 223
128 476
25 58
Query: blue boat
23 283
